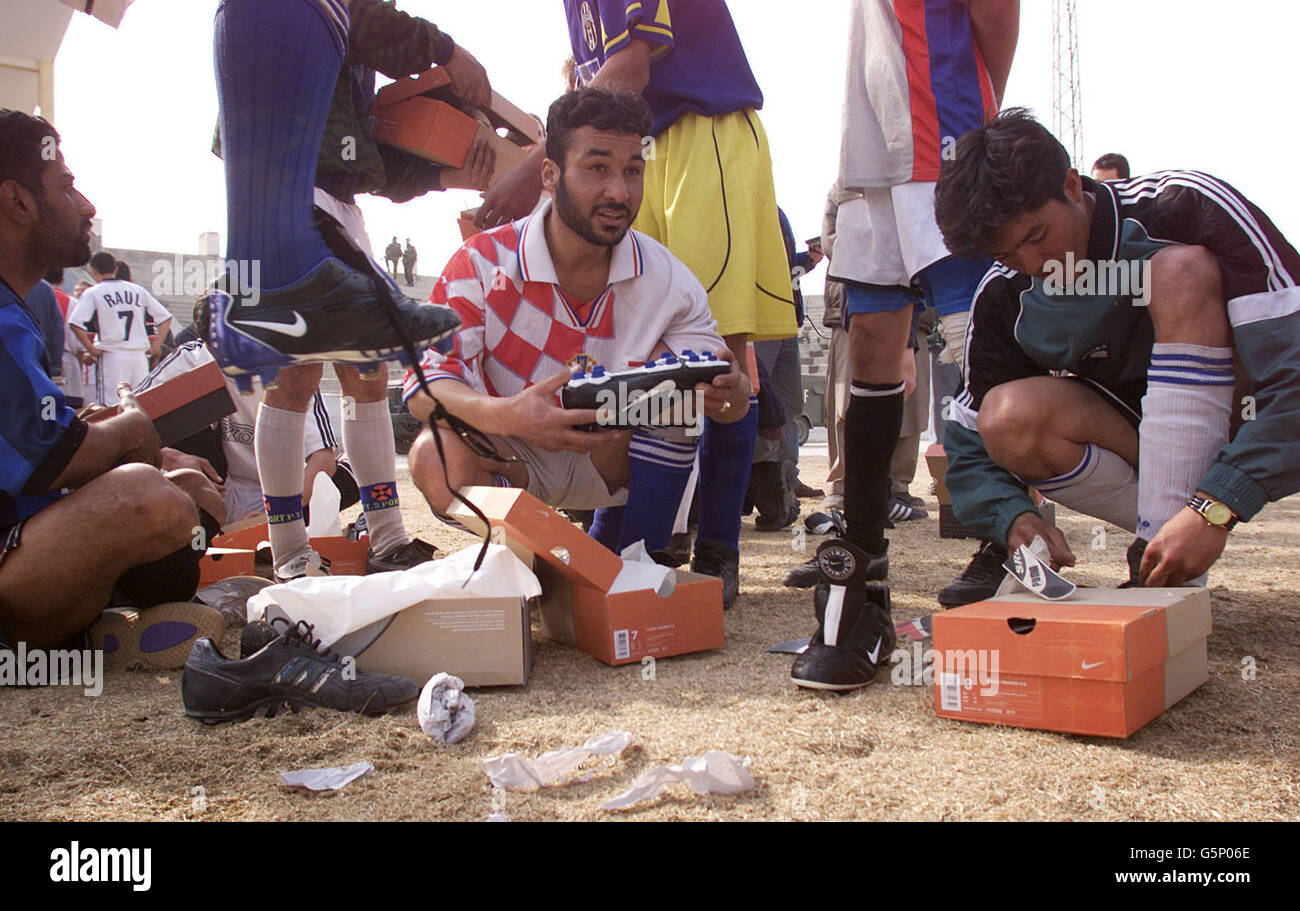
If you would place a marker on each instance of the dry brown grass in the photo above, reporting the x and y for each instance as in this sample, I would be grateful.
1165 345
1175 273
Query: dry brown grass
1229 751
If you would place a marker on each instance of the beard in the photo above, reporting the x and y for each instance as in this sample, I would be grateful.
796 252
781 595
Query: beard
584 224
52 245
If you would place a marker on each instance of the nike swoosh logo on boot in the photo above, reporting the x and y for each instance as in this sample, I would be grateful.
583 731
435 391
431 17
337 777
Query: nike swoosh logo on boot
296 329
874 654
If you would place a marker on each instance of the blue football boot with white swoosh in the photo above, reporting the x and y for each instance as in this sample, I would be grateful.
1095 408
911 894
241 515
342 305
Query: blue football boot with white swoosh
855 632
346 310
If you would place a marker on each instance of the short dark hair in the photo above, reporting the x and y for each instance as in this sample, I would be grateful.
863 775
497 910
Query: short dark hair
104 263
1012 166
1114 161
123 271
614 111
55 277
22 149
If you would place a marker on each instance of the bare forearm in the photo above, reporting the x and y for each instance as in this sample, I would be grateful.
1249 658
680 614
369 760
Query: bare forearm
996 24
87 341
473 407
105 444
628 69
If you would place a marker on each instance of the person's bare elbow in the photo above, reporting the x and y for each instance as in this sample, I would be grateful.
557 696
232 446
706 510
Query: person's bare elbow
628 69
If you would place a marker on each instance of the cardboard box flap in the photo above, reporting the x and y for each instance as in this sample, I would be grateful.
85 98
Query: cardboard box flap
1063 639
547 534
1187 620
426 83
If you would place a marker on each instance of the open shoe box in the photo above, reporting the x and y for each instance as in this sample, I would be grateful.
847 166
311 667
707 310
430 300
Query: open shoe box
577 574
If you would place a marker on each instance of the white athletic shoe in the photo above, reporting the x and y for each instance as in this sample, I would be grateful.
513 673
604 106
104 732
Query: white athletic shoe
309 564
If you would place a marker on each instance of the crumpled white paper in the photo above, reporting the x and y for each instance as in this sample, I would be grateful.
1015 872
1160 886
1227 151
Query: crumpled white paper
339 605
326 779
513 771
446 714
715 772
641 572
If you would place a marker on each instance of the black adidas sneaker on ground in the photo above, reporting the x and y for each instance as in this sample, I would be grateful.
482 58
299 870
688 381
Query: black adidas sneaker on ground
855 631
288 670
980 579
808 573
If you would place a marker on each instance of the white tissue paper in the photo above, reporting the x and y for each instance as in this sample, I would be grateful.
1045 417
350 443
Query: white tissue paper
715 772
338 605
326 779
641 572
513 771
446 714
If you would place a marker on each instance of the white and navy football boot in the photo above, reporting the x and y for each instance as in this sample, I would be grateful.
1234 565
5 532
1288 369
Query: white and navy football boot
855 632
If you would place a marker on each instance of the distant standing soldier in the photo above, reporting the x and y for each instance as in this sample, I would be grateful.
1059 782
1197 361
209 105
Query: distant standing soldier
408 263
392 256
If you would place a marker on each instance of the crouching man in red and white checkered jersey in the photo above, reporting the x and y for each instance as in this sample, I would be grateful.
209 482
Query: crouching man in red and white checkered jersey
571 287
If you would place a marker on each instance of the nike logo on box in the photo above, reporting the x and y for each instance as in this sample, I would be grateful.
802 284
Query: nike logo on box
1087 667
296 329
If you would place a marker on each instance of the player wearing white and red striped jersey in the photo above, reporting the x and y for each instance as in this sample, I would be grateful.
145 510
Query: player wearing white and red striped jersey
568 285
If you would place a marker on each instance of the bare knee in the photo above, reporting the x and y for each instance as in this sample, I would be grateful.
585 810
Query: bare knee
372 387
1185 298
427 469
876 345
1011 423
294 387
152 507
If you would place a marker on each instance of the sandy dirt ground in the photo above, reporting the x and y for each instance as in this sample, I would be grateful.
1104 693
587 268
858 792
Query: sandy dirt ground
1229 751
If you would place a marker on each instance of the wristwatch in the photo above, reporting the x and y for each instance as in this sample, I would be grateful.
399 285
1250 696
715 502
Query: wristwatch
1220 515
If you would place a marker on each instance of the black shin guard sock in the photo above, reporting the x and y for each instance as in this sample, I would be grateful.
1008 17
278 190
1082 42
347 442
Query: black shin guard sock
871 428
174 577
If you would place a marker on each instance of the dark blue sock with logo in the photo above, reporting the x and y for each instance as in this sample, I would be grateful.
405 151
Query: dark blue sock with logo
607 526
726 455
277 62
660 469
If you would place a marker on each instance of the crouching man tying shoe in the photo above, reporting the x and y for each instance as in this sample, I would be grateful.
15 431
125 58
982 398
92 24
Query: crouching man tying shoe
88 513
571 287
1125 329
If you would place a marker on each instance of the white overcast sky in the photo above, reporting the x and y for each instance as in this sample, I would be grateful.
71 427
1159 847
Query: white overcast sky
1170 83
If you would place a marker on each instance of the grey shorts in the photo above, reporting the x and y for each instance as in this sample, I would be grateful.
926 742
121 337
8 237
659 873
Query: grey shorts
562 478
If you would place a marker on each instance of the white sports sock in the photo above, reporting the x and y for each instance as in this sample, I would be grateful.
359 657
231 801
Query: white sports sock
1185 417
1102 485
277 443
368 441
681 524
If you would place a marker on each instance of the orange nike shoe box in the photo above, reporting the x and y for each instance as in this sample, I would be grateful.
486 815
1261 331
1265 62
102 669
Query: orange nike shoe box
421 115
183 405
577 573
235 554
1105 662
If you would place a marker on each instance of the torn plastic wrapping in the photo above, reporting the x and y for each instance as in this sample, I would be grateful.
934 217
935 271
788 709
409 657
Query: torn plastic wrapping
715 772
327 779
513 771
446 714
339 605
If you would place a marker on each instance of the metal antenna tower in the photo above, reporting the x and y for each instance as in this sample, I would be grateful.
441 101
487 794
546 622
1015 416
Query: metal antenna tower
1067 90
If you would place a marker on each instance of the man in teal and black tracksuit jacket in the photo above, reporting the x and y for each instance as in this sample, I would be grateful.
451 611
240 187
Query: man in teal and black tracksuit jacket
1152 322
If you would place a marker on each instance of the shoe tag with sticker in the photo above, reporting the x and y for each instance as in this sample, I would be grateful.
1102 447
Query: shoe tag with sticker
1035 575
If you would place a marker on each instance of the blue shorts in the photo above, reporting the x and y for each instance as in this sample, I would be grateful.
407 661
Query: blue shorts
948 286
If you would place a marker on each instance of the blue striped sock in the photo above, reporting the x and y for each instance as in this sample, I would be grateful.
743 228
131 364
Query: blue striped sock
660 469
277 62
726 455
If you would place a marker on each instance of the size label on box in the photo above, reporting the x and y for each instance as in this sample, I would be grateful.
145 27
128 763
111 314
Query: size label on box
1006 698
622 644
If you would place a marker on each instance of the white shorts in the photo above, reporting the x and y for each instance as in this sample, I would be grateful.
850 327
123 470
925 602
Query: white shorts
243 499
115 368
888 235
563 478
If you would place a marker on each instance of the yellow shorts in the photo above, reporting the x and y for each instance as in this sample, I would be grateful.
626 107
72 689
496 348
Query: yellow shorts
709 198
